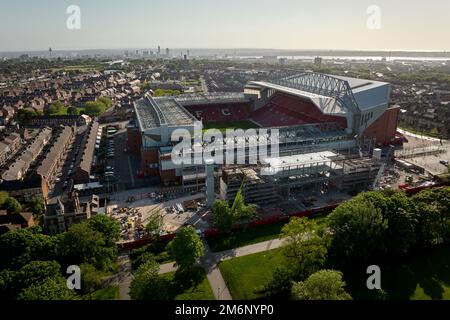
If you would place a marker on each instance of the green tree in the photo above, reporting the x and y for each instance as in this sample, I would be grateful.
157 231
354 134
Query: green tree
322 285
24 115
36 272
147 284
8 285
12 205
243 212
106 101
54 108
222 216
357 232
432 208
36 206
72 110
20 247
186 248
94 108
3 196
108 226
305 250
155 225
50 289
91 278
83 244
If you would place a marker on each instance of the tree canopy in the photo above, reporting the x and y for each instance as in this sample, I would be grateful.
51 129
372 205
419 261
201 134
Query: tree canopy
155 225
147 284
36 206
225 216
20 247
12 205
322 285
81 243
186 248
305 249
50 289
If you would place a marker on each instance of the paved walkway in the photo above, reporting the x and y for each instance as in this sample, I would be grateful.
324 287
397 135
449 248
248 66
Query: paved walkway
125 277
210 262
250 249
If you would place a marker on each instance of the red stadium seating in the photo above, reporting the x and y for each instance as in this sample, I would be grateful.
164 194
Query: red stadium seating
220 112
286 110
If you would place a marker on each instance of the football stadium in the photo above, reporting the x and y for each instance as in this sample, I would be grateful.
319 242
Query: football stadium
329 127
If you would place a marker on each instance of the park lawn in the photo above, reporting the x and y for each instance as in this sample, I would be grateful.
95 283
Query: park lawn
239 239
201 291
246 274
107 293
63 111
223 126
254 235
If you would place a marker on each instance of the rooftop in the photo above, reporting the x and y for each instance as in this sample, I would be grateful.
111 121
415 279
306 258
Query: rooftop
332 94
155 112
300 159
210 98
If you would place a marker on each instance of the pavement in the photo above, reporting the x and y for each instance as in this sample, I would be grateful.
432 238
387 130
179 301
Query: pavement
210 263
125 277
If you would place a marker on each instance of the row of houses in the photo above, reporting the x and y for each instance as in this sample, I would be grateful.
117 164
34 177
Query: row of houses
85 157
55 157
19 168
9 146
67 90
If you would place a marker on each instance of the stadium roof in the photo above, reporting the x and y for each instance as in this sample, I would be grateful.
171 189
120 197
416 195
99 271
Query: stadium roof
211 98
333 94
155 112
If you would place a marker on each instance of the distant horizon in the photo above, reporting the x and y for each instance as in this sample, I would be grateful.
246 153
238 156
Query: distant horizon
359 25
230 49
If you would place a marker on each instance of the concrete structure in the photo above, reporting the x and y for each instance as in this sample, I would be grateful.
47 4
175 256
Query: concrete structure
209 168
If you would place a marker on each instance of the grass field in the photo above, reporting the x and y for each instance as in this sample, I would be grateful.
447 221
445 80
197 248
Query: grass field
253 235
223 126
245 275
178 290
63 111
81 68
423 276
108 293
250 236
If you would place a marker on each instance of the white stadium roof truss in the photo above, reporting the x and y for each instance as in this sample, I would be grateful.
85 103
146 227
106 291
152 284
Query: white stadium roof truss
325 85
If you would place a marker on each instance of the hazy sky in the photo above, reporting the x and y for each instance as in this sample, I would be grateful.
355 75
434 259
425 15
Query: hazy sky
280 24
